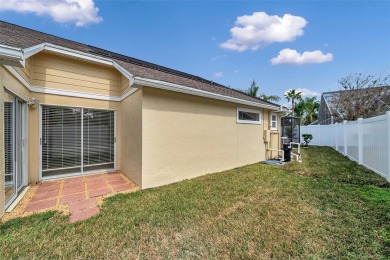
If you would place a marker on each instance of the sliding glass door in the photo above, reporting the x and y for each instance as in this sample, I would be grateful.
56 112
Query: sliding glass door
14 146
76 140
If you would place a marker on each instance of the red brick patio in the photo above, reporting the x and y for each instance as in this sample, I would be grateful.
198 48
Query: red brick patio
79 196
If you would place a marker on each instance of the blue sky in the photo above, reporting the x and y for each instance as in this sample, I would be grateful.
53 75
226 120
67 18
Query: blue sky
340 37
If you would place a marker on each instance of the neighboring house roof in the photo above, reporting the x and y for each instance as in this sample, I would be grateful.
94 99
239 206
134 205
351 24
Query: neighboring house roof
330 102
21 37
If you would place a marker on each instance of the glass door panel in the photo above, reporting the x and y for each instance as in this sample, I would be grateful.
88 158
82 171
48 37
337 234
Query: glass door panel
76 140
98 140
9 147
61 141
14 130
19 145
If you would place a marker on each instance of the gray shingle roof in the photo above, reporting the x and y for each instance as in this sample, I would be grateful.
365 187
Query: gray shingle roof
21 37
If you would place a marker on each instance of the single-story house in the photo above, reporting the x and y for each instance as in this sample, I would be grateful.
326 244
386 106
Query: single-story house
70 109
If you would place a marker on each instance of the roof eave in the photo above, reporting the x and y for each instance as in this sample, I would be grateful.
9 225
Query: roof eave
11 56
197 92
16 57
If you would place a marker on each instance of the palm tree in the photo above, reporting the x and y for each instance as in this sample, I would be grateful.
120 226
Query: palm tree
270 98
252 91
312 107
299 109
293 95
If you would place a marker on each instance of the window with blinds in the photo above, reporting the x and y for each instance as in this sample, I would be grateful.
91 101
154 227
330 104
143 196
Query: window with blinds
76 140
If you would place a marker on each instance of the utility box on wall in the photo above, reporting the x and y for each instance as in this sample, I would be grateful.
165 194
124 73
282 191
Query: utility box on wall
291 129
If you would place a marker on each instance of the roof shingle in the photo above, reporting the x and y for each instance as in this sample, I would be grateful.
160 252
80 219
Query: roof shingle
21 37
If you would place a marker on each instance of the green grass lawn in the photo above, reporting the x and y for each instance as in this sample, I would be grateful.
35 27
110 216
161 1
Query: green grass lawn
325 207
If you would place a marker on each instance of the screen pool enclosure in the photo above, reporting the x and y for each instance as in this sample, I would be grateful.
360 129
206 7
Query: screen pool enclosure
291 129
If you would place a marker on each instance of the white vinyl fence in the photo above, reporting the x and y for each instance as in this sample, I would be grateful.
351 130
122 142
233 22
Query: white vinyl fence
366 141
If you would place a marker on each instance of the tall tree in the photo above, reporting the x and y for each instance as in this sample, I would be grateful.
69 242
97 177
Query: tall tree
293 95
312 107
252 91
299 109
361 96
265 97
307 109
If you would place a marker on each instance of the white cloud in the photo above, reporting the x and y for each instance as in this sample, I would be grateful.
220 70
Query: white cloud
80 12
260 29
289 56
218 74
236 71
305 92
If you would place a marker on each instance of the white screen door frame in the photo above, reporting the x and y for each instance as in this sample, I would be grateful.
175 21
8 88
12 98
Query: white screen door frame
15 146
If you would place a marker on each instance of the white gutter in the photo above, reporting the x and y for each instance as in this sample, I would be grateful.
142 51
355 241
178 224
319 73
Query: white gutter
11 56
192 91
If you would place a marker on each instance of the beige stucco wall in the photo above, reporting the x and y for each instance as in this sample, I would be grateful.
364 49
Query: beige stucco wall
131 152
187 136
11 83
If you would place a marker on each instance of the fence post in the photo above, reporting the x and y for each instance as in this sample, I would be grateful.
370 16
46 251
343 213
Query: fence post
388 148
360 139
345 136
319 135
335 135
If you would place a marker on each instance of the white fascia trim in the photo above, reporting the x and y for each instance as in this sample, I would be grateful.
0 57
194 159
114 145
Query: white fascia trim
69 93
28 52
124 72
183 89
77 54
15 73
12 53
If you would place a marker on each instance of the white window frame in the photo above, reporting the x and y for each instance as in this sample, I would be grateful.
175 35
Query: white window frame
270 119
240 109
41 178
24 135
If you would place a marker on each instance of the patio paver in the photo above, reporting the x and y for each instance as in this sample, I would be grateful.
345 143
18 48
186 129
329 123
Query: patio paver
45 196
100 192
80 196
82 204
72 198
45 204
84 214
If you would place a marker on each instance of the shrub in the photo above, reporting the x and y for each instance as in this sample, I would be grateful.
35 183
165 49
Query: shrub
307 138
